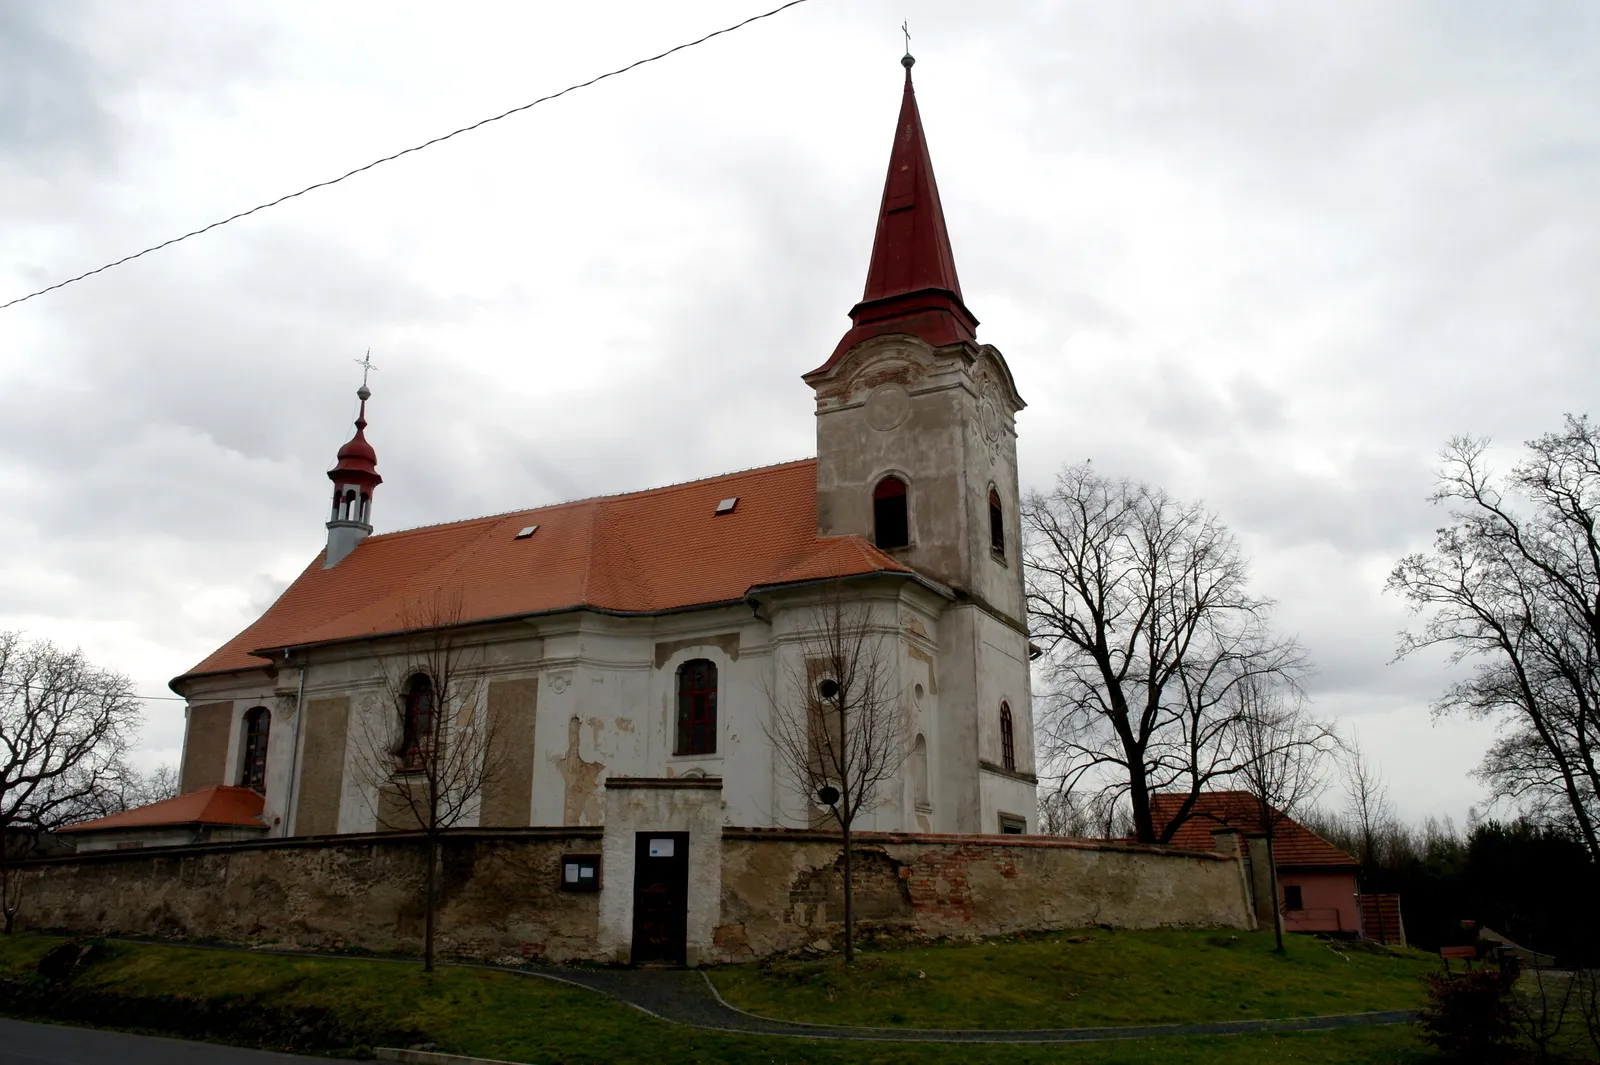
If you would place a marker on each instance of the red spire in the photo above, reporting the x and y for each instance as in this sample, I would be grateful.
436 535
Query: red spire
358 462
911 284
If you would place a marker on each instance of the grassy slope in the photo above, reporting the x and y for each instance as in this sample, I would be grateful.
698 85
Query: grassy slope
1052 982
500 1015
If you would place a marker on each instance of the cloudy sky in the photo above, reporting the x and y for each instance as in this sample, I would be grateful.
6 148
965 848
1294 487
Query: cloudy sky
1267 255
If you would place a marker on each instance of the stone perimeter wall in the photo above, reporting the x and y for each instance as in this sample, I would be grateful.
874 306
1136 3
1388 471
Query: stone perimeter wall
779 890
499 895
784 889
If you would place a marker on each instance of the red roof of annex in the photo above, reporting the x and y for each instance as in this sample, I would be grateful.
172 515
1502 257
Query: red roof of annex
1293 844
220 805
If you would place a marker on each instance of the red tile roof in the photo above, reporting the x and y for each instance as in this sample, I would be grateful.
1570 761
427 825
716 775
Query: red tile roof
1293 844
220 805
644 552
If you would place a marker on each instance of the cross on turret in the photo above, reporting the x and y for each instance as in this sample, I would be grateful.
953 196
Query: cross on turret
354 477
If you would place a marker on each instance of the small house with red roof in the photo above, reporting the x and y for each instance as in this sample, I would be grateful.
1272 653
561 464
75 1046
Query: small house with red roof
219 814
1318 883
641 635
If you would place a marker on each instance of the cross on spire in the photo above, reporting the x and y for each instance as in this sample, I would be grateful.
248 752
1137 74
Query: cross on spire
365 362
905 28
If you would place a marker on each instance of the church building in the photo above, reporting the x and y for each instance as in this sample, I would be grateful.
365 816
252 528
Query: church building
649 635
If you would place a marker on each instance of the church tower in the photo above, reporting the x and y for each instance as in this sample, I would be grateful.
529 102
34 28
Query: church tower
354 477
916 451
916 439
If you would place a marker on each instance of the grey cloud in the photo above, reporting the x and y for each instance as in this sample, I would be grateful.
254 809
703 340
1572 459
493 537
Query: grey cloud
52 119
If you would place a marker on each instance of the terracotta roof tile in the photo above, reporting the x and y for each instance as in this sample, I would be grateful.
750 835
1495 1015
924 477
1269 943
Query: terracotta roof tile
220 805
1293 844
644 552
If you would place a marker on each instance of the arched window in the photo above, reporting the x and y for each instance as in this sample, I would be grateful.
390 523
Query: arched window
1008 740
890 526
997 525
253 773
416 741
697 708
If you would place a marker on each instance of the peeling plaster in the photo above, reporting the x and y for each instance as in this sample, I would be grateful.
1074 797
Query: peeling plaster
581 802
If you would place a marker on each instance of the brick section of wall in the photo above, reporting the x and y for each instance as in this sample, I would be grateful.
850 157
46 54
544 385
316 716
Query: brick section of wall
783 889
508 793
322 767
499 891
205 750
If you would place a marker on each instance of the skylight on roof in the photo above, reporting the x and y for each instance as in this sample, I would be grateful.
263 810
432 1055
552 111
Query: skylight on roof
527 532
727 505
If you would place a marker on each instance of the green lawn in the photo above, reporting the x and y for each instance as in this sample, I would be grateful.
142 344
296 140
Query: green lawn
1070 980
501 1015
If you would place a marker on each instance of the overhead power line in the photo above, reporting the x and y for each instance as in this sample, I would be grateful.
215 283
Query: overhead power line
405 151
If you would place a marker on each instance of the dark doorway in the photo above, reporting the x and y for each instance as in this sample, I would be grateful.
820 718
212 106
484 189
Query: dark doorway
660 897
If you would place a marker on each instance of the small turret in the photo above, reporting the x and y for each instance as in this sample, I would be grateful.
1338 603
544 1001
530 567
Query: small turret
354 477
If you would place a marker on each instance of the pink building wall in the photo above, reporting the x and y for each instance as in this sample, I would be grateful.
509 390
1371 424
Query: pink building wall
1328 901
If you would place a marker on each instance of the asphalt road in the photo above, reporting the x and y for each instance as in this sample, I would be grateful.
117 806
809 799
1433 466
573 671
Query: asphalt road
22 1043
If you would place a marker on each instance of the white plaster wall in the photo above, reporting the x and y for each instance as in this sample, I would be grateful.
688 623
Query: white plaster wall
605 707
629 811
1001 794
989 453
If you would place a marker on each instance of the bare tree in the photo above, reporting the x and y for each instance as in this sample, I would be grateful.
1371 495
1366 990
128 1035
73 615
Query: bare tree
1367 809
1142 605
1514 586
1284 750
429 752
1588 996
125 788
1539 999
1096 816
65 727
838 722
158 784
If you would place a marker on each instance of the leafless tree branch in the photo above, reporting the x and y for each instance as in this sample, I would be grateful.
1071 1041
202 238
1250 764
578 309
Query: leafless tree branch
425 759
65 730
1142 604
1513 585
838 720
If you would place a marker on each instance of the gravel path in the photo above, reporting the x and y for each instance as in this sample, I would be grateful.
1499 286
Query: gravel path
685 997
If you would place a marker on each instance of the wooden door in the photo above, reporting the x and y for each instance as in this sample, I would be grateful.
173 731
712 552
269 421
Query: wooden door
660 897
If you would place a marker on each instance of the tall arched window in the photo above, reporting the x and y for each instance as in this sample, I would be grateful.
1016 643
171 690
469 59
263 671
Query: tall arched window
697 708
253 772
890 525
997 525
1008 740
416 741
